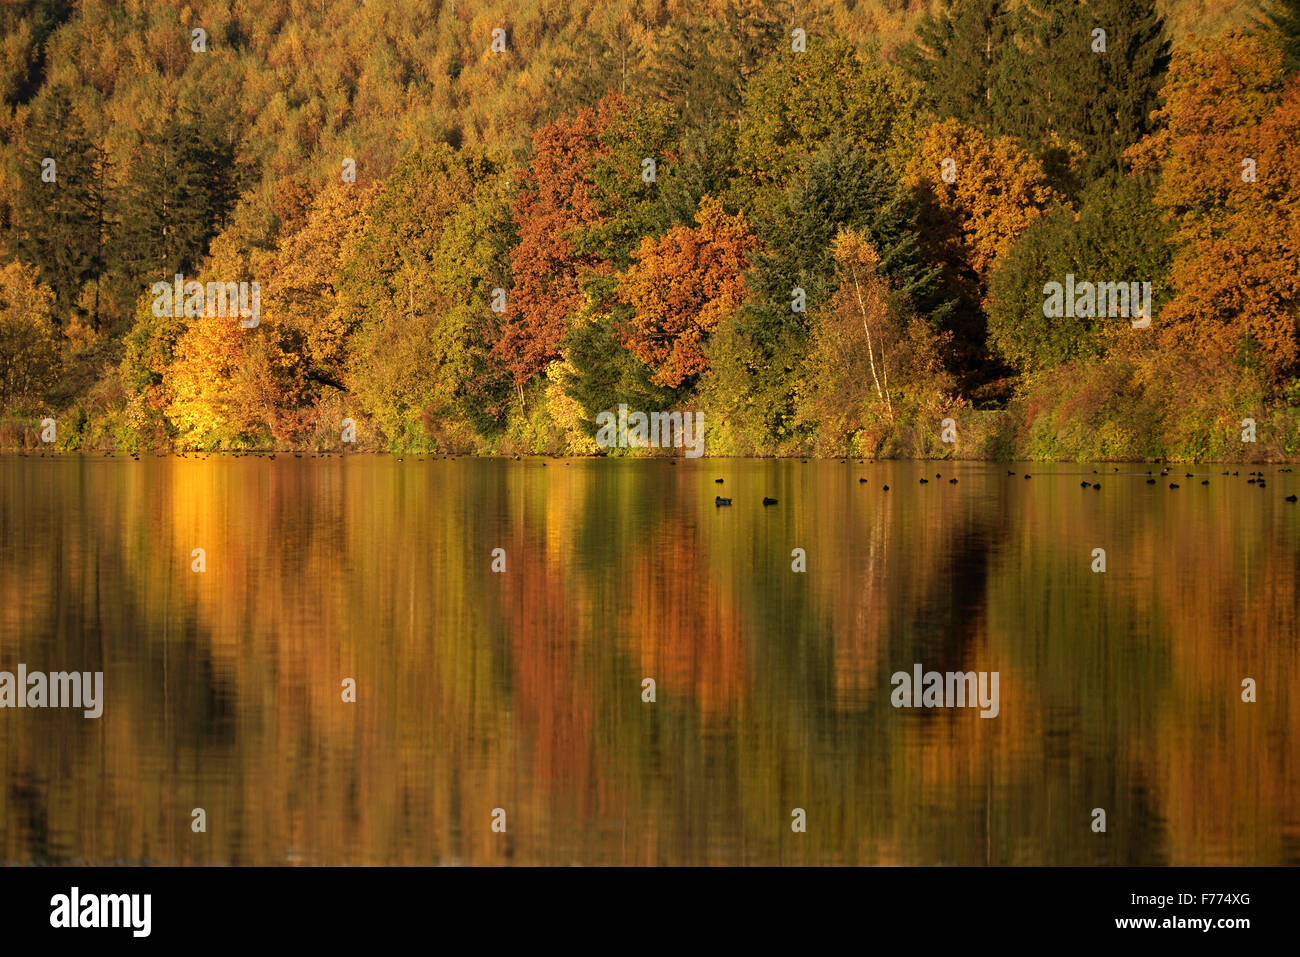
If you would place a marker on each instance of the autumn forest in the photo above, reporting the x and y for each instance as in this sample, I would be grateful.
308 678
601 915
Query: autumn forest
474 226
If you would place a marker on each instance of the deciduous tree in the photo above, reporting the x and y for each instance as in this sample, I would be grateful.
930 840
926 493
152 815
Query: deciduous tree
681 286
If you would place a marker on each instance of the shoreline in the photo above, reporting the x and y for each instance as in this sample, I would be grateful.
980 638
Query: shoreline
300 453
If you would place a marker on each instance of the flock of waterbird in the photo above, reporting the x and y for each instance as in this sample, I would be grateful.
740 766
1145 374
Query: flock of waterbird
1255 478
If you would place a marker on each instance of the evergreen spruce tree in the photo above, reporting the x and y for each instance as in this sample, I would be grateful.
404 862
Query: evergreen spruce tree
181 189
836 188
1079 84
58 221
956 55
604 373
97 212
1140 49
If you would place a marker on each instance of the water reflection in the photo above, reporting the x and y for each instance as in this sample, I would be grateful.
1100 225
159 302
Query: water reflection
523 690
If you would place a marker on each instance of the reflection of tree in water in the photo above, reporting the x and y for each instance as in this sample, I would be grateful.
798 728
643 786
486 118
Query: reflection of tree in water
522 690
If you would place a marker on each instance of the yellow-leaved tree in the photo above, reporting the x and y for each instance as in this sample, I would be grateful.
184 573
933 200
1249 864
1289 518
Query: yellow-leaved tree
29 353
977 193
873 365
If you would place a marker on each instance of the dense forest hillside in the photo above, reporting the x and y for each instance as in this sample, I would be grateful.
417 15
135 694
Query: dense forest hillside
1072 228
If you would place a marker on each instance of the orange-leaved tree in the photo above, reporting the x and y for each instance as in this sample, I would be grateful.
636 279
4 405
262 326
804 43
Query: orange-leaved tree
1229 164
554 199
680 287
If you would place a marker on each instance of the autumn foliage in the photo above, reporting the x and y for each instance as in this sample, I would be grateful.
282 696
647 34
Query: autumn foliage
997 190
1229 163
555 198
681 286
821 235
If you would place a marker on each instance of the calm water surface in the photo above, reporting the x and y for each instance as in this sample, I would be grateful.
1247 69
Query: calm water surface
523 690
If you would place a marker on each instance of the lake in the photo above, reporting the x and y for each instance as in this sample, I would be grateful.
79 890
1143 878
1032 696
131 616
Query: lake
499 716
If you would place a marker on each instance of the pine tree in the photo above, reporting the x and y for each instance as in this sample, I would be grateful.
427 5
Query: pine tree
1079 85
59 222
955 58
181 189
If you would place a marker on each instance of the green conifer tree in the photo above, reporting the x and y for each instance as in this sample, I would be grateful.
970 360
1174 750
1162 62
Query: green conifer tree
58 210
955 58
1079 84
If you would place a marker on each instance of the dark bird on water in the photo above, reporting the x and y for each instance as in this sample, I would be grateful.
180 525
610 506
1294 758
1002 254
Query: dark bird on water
952 481
719 481
719 500
1085 485
1096 486
1028 477
885 488
1206 482
925 481
862 481
1151 481
1290 498
1173 485
768 501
